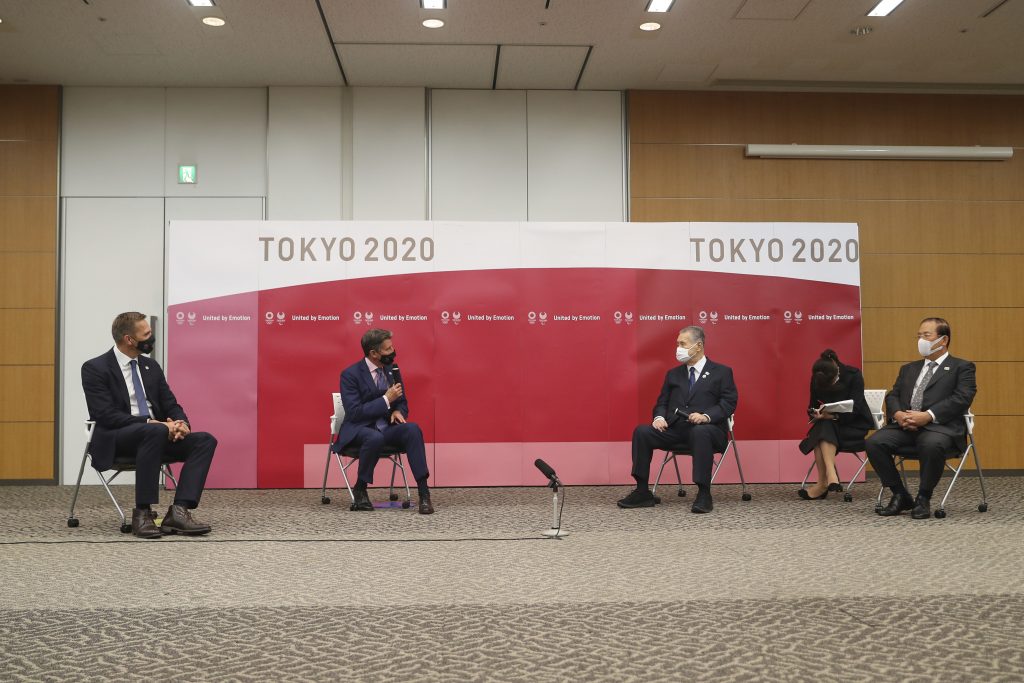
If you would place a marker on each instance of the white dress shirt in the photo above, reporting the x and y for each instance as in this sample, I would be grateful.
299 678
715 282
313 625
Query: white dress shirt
126 370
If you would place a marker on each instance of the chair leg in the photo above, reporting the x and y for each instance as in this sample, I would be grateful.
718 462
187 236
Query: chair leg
679 479
168 474
983 505
327 468
407 503
940 512
391 487
664 462
125 526
344 475
72 520
807 476
739 468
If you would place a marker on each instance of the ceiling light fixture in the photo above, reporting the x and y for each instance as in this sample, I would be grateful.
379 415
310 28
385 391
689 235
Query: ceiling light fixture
433 4
883 8
200 3
433 23
213 21
944 153
650 26
660 5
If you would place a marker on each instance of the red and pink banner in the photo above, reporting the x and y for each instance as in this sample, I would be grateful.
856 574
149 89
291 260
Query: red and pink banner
515 340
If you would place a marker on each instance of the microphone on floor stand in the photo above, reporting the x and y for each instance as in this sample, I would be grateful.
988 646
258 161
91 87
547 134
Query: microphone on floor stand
556 530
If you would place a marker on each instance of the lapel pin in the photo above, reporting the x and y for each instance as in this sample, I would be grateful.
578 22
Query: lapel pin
946 368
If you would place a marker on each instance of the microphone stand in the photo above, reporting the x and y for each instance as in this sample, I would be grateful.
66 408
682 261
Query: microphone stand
556 530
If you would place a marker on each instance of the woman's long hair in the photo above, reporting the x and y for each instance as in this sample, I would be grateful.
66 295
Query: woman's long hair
825 370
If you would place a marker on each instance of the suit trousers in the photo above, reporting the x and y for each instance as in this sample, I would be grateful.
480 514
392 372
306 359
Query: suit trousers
932 449
407 437
702 441
147 446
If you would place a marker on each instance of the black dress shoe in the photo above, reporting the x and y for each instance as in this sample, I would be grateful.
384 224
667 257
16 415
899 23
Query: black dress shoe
637 499
143 525
362 501
897 504
922 508
806 496
835 486
426 507
179 520
703 502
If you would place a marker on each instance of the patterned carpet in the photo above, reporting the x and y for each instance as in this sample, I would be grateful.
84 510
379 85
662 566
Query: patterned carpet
287 589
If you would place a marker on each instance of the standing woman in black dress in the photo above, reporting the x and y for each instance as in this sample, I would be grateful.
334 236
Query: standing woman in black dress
832 381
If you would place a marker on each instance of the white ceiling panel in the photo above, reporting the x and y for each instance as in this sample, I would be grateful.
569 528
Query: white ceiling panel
540 67
946 45
427 66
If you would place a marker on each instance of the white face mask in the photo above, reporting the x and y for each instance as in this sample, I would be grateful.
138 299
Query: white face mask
683 355
924 347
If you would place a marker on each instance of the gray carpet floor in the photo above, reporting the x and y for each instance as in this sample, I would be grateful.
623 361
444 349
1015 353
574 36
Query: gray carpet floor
287 589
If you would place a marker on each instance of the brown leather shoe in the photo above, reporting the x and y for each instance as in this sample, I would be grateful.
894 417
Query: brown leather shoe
426 507
142 524
178 520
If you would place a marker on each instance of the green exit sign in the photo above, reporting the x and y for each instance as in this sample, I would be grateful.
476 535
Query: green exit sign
186 175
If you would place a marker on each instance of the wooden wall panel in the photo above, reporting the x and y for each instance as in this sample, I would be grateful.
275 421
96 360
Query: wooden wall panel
28 280
937 238
29 112
26 393
939 280
27 336
981 334
885 226
27 449
723 171
998 385
834 119
28 169
27 224
29 134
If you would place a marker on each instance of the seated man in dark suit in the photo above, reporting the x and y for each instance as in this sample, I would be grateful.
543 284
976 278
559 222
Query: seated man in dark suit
138 419
692 411
375 416
925 410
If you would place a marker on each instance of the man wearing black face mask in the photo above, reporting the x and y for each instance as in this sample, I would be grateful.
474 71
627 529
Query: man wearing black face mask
375 416
138 420
925 409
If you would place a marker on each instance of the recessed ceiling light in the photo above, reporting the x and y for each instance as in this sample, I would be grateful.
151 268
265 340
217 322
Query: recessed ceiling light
650 26
433 4
200 3
433 23
213 21
883 8
660 5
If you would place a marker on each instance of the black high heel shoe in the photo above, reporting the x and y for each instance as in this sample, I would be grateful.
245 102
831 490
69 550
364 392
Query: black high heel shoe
837 486
806 496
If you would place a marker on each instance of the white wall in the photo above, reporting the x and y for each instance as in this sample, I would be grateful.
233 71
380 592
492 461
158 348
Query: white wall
302 154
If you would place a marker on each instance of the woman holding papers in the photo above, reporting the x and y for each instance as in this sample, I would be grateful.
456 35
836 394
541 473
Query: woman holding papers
839 420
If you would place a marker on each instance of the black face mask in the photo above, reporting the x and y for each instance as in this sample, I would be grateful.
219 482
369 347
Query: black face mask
387 359
146 345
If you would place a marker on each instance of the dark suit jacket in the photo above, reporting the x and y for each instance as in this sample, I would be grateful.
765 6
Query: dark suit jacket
852 379
948 395
714 394
363 402
106 394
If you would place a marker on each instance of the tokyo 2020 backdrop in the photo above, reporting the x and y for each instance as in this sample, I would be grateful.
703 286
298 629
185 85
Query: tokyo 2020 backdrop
515 340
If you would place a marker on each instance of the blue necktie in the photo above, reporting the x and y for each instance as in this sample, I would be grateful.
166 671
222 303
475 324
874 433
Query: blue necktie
382 384
140 395
693 377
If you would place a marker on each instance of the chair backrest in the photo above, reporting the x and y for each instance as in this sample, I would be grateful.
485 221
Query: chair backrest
875 398
339 414
89 424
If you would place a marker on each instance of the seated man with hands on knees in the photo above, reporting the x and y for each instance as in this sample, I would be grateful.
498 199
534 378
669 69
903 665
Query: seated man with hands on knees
692 411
